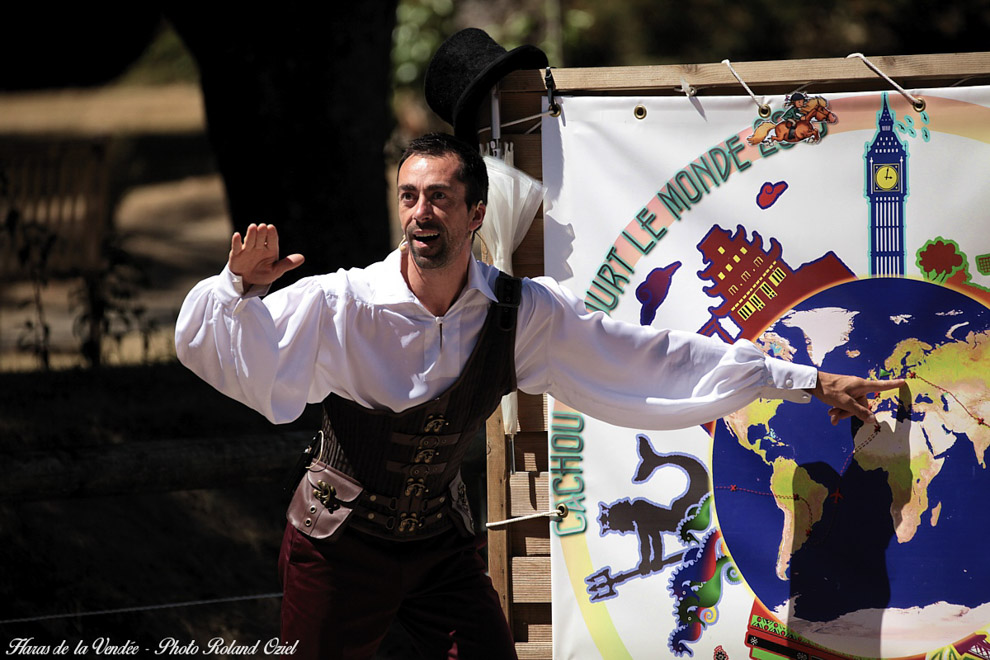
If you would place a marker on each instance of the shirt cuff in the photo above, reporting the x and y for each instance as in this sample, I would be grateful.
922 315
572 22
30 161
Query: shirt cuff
789 381
231 287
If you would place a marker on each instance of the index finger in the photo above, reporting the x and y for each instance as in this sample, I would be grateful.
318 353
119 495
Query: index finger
881 385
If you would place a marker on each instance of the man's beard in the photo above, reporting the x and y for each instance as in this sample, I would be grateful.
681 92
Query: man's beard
435 252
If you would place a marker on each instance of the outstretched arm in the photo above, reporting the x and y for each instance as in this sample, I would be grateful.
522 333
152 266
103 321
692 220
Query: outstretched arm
255 257
847 395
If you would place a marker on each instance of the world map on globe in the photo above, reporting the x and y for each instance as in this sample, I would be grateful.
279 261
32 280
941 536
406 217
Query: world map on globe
867 539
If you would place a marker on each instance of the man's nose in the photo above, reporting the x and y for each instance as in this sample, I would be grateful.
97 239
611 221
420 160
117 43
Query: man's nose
423 207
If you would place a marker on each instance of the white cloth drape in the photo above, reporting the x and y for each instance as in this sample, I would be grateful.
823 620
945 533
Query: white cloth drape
513 200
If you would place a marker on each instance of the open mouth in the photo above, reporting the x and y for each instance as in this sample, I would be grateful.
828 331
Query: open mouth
426 237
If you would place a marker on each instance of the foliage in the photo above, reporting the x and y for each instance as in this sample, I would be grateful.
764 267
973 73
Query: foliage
166 60
107 300
32 242
636 32
420 27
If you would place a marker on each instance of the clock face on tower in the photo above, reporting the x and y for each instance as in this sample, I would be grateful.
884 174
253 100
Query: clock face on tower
886 177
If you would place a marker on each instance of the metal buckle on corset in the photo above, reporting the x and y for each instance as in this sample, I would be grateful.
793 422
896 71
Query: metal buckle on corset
425 456
409 523
415 487
434 424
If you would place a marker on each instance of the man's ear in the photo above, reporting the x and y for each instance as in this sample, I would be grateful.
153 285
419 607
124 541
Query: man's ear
478 216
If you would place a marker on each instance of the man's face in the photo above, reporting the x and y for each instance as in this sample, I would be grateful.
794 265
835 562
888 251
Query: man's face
434 217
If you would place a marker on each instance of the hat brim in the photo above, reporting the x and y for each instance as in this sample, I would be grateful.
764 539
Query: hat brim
466 110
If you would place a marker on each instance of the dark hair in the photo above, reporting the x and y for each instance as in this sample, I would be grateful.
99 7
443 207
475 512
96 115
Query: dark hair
473 172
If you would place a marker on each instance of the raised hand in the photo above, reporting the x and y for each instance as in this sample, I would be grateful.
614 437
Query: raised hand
255 258
847 395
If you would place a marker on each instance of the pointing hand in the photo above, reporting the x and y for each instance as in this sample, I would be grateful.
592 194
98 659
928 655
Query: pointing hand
847 395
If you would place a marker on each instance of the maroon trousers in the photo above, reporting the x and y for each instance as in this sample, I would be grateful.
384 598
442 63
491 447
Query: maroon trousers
341 596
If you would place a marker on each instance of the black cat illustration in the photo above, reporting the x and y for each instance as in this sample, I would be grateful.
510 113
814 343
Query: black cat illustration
648 520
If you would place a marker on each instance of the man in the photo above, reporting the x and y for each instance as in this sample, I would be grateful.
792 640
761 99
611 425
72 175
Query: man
409 357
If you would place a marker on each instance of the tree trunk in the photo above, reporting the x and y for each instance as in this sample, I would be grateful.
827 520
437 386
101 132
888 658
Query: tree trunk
297 112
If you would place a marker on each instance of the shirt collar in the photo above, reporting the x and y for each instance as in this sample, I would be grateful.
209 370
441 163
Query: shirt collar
393 287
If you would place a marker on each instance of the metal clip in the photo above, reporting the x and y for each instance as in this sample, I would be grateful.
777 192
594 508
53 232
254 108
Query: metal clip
551 91
326 494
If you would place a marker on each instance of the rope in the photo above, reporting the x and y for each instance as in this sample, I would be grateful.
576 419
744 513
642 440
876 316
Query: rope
485 129
917 102
764 107
557 514
146 608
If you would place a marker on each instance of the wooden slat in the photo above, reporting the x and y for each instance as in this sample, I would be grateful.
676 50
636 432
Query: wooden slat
531 451
762 76
534 650
528 154
498 541
532 412
530 579
530 251
529 538
531 622
529 493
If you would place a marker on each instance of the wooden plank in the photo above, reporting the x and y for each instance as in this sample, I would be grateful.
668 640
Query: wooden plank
763 76
529 538
531 622
528 154
529 493
531 451
534 650
532 412
540 632
530 579
530 251
498 541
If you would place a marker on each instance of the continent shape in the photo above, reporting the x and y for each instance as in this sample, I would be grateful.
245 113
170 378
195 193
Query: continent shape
852 545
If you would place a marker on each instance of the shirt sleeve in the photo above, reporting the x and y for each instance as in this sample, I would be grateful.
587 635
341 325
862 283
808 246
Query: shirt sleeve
637 376
263 353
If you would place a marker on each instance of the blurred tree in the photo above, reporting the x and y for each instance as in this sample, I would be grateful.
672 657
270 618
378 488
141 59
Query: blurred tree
297 113
296 102
71 45
637 32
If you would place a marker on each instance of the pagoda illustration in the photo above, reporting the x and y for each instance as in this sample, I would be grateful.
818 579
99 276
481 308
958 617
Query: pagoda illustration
886 187
755 284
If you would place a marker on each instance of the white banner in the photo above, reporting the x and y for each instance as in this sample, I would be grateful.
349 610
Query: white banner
847 231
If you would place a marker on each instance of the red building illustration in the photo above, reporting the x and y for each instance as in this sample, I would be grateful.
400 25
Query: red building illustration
755 284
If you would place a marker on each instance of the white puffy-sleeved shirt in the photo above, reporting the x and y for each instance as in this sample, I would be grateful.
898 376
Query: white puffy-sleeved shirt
362 334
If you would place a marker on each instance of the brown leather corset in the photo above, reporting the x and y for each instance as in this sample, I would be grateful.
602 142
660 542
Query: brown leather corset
407 464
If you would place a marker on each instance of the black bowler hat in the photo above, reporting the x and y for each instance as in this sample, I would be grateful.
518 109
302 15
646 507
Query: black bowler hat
464 69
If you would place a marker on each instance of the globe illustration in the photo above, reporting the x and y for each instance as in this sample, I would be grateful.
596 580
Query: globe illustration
866 539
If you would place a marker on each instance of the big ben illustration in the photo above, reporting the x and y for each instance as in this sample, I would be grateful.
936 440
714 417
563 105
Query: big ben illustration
886 188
